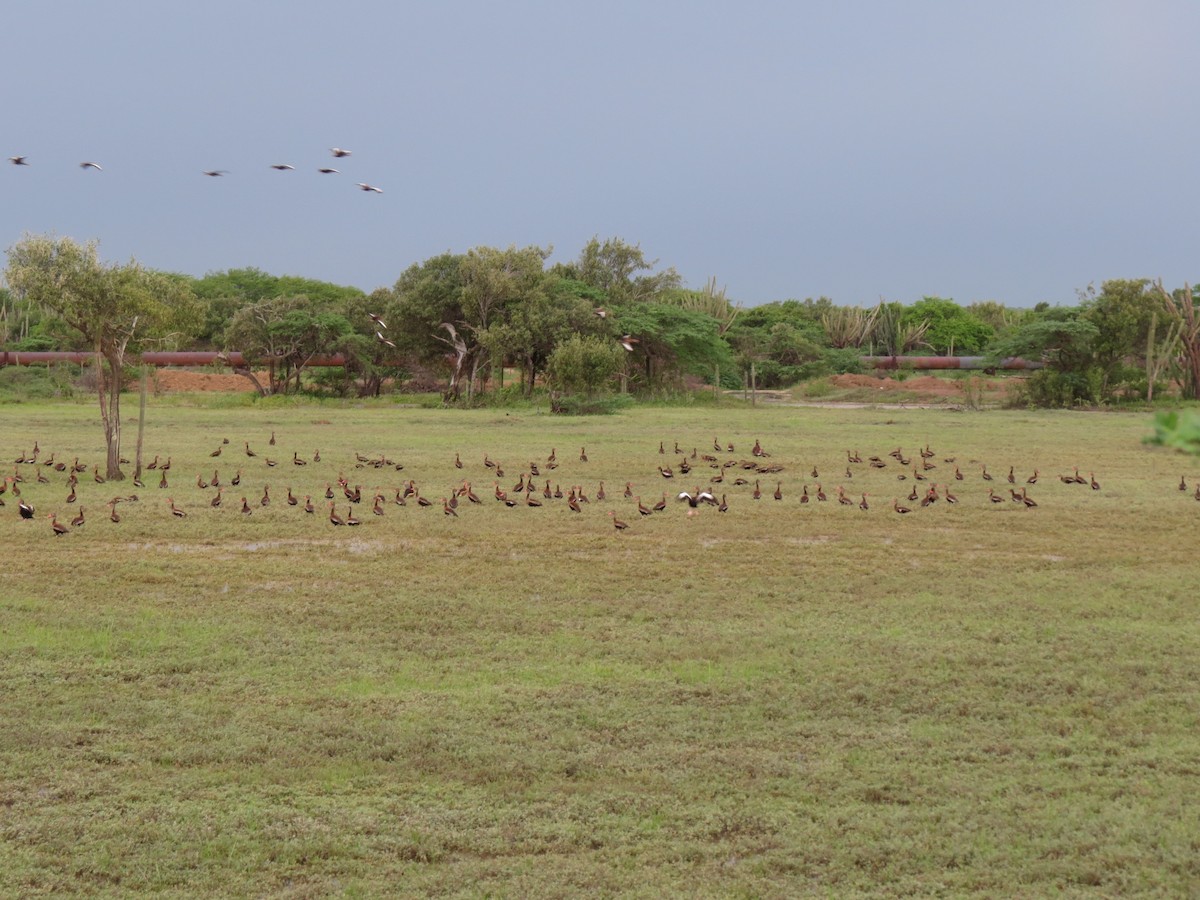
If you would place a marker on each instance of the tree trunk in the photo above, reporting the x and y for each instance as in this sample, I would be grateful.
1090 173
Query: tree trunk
109 389
137 471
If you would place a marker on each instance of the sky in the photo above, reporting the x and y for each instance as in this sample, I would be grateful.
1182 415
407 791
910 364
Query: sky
1012 151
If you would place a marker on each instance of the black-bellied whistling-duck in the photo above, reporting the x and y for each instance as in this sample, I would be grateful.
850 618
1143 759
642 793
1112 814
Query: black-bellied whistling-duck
1032 479
249 452
270 462
757 494
722 506
573 504
898 508
42 479
112 511
216 479
77 522
377 509
958 476
246 510
454 495
59 530
421 501
316 456
666 473
297 461
500 495
216 452
162 480
1014 496
913 495
1079 479
96 476
803 494
1012 477
25 510
617 523
661 448
153 464
71 496
877 463
531 500
994 497
533 469
931 496
984 473
756 450
471 495
600 496
580 495
862 504
1183 483
400 498
927 453
558 494
642 507
291 498
1198 492
215 502
719 478
519 487
162 467
628 489
778 495
201 483
175 510
266 497
1093 482
1025 498
487 462
815 474
853 457
448 510
684 467
272 440
716 445
950 498
821 494
842 498
583 457
308 505
334 518
457 462
661 504
237 479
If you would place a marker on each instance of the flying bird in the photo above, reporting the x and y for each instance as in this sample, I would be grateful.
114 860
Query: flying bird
282 167
374 317
91 165
215 173
18 160
384 340
339 152
627 342
369 187
328 171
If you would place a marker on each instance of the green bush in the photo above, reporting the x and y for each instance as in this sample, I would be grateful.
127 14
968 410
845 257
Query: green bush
19 384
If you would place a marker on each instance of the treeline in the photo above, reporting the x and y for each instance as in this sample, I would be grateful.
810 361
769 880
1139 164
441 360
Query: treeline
611 320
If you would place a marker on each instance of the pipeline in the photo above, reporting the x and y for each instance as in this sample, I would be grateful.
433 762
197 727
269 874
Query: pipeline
151 358
236 360
949 362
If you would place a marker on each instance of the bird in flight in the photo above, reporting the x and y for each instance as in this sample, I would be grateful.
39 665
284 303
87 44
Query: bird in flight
339 152
18 160
374 317
215 173
369 187
282 167
384 340
328 171
91 165
627 342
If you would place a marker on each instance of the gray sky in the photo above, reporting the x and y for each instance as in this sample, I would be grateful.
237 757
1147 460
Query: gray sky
1010 151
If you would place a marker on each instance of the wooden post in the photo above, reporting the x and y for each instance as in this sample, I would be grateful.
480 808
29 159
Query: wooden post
716 384
141 422
753 385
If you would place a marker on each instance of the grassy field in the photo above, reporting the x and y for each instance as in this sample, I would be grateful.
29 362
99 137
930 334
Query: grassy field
780 700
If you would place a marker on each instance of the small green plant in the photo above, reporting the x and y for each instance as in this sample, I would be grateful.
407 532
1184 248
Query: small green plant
1180 430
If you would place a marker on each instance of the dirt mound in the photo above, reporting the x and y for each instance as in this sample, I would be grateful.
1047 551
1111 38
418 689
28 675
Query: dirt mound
923 385
181 381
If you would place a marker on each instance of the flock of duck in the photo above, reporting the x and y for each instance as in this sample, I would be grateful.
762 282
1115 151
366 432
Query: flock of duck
337 153
715 477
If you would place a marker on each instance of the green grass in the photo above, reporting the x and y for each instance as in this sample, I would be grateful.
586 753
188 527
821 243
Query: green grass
782 700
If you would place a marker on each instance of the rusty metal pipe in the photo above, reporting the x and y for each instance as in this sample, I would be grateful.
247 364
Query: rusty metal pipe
949 362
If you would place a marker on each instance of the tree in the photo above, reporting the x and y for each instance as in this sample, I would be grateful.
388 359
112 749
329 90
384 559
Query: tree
284 333
951 328
116 309
1121 312
583 366
673 341
612 266
1183 309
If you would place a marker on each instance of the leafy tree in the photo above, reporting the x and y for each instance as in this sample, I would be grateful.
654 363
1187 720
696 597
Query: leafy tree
583 365
672 342
115 309
1063 340
951 329
1121 312
612 266
284 334
1182 307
